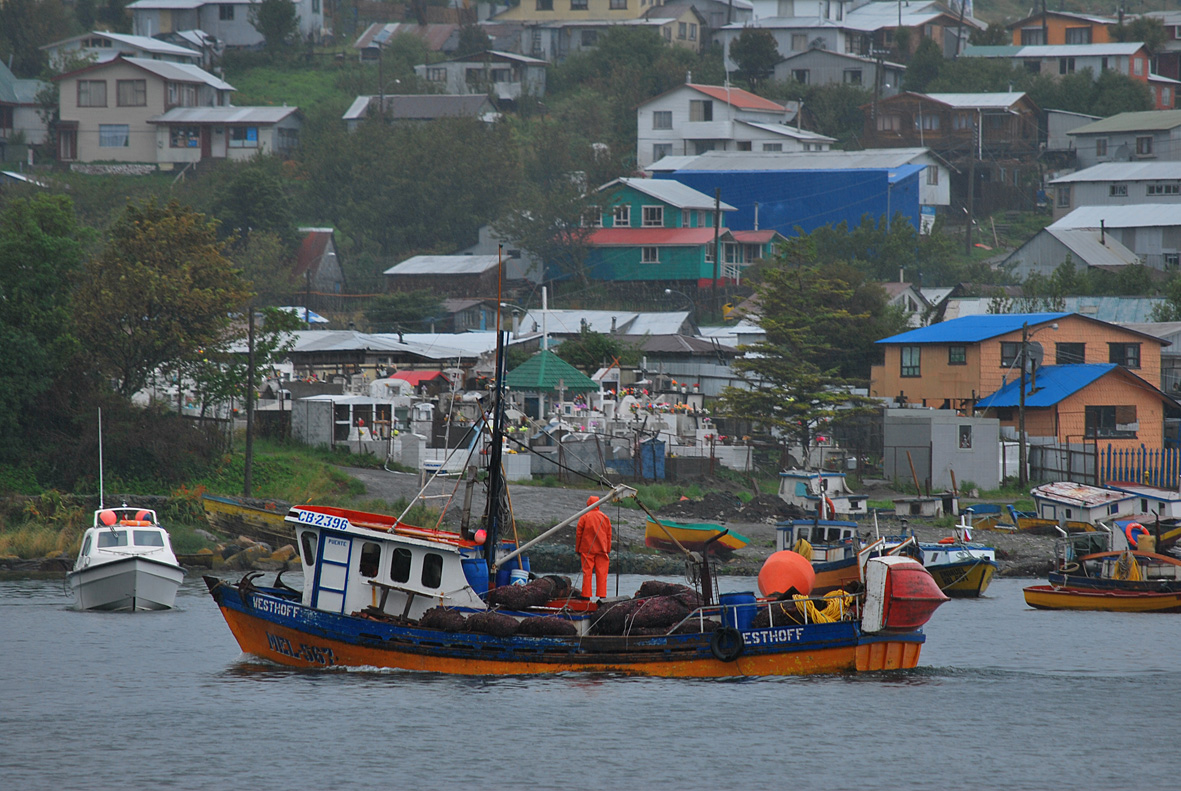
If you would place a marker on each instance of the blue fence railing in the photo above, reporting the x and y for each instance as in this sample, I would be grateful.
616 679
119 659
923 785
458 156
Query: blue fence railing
1159 467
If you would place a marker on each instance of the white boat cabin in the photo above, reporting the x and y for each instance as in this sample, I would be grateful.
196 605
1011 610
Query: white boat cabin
398 569
1078 502
1152 500
121 532
830 540
804 489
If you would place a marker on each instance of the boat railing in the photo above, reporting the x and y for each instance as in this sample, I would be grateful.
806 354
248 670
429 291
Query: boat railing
846 605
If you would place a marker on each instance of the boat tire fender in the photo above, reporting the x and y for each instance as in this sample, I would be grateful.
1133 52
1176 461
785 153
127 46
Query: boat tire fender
726 644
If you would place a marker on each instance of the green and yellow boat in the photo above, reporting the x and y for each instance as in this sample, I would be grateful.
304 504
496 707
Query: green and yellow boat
660 534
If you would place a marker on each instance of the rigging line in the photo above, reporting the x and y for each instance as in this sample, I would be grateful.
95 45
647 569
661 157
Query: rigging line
600 480
442 466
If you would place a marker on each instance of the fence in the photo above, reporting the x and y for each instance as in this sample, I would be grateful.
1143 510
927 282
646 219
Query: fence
1149 466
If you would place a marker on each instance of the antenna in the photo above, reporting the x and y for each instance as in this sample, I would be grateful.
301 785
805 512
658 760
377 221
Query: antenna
100 458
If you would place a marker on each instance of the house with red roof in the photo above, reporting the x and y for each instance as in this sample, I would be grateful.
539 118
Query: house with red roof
692 119
661 230
317 267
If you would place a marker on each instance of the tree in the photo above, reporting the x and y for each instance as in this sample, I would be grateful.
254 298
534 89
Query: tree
403 311
793 383
159 293
755 54
591 349
1149 30
40 251
924 66
472 39
256 200
995 35
276 21
26 26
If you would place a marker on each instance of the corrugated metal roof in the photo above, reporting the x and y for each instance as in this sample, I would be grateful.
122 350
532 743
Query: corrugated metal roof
1102 20
666 237
790 131
972 329
1054 50
664 324
422 106
870 159
1140 215
350 340
1113 310
984 101
1124 171
1147 120
180 72
224 115
1054 383
177 4
544 372
737 97
569 322
670 163
1086 247
146 43
671 192
444 265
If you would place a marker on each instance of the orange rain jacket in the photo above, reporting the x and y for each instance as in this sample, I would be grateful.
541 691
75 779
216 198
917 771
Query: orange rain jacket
593 534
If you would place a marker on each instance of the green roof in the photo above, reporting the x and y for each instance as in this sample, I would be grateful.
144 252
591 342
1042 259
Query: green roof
544 372
1144 121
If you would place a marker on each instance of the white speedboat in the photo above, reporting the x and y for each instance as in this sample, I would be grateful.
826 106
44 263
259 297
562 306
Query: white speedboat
126 563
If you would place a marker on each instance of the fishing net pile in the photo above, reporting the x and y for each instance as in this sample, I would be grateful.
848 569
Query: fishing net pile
655 609
536 593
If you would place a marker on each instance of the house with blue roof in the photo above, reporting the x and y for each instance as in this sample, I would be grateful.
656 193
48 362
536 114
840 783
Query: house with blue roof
1095 402
955 364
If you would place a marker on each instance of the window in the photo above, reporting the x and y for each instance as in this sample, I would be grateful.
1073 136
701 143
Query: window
1070 353
1010 351
182 95
800 76
112 538
662 119
92 93
890 122
307 543
370 559
1144 146
685 214
400 565
147 538
114 136
965 437
1165 96
1164 189
6 117
1118 190
653 217
772 146
243 137
1078 35
682 31
315 6
710 252
1064 197
577 5
131 93
799 42
1138 67
650 255
742 145
1101 147
1125 354
1111 422
962 121
932 175
225 12
957 355
911 356
693 34
660 150
701 110
667 32
852 77
436 74
589 38
618 5
545 5
1066 65
184 136
1172 260
623 215
929 123
432 570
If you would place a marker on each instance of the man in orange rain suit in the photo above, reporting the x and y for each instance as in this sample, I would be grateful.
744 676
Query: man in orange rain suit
592 540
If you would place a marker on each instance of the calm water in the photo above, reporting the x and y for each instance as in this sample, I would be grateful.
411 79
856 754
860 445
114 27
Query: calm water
1006 697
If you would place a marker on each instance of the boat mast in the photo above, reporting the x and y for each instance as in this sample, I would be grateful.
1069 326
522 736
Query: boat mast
496 507
100 458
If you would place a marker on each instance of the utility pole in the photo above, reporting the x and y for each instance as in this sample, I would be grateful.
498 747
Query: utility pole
246 483
971 199
1022 477
717 245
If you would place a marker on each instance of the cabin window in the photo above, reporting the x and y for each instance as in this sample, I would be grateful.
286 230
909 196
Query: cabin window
1069 513
86 546
1112 509
1070 353
623 215
147 538
400 565
370 559
957 355
432 570
112 538
307 542
1144 146
92 93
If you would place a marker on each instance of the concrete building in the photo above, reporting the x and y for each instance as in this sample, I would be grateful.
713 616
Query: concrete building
941 443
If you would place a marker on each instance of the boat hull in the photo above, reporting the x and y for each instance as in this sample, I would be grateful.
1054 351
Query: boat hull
233 518
1048 597
128 584
691 537
963 580
282 630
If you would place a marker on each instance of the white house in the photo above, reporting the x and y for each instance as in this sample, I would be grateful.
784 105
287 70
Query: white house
1117 184
102 45
693 119
505 75
19 118
1128 137
824 67
226 20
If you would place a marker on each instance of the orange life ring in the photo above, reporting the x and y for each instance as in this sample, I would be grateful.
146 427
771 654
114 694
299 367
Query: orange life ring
135 522
830 510
948 540
1131 530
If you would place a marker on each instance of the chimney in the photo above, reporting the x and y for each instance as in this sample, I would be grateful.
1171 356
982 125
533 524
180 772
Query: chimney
612 325
688 78
1102 234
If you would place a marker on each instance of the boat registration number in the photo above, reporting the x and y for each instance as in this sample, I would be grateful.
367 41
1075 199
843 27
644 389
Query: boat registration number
323 520
769 636
309 653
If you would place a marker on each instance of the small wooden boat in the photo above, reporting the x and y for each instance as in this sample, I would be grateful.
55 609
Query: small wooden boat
813 490
961 568
1030 521
258 520
665 534
1049 597
1074 506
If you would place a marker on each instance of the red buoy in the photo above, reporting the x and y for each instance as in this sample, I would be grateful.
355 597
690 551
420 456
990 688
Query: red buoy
785 570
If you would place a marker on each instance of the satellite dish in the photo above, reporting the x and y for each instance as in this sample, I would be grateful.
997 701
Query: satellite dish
1036 355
